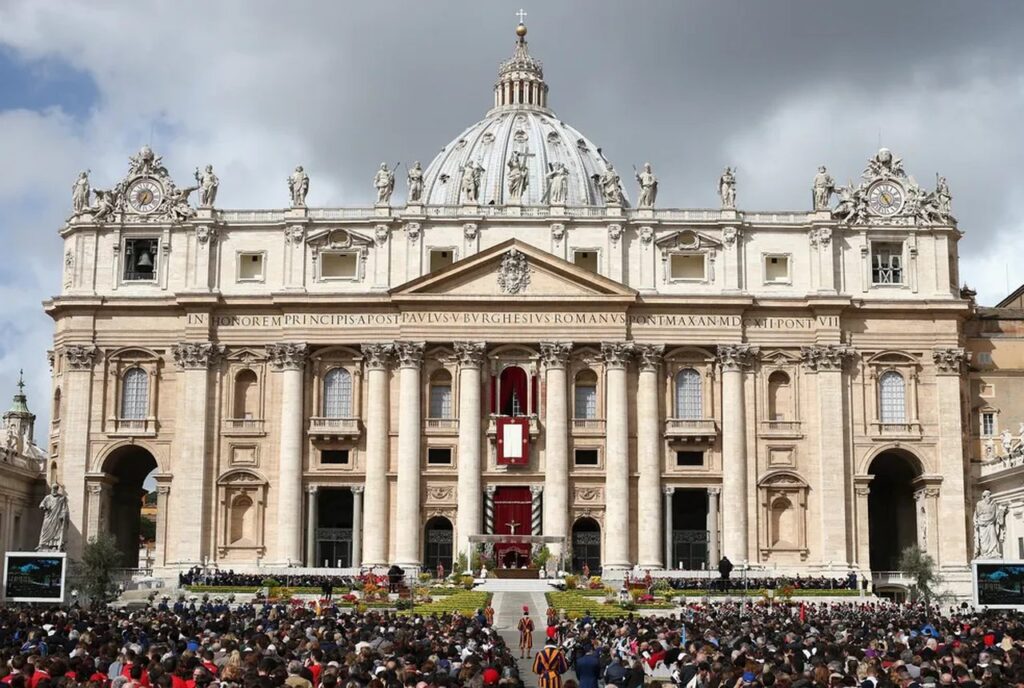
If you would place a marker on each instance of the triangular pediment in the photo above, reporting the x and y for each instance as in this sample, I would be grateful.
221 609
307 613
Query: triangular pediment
513 269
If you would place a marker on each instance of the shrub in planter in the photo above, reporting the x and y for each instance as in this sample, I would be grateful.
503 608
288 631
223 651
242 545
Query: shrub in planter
571 582
271 583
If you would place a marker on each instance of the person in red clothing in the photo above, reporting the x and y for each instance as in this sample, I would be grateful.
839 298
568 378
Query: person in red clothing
39 673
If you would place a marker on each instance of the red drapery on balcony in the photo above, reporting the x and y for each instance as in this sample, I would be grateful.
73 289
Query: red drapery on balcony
513 401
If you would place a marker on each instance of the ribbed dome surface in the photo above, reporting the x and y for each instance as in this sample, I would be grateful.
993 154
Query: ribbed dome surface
491 142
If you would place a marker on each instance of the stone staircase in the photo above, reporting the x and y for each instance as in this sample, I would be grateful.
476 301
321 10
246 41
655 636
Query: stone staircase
527 585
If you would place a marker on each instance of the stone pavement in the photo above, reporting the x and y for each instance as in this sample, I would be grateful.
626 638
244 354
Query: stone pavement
508 608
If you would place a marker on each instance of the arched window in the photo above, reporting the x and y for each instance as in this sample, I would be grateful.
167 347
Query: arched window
689 398
246 394
56 404
780 396
440 395
338 394
586 395
135 395
892 394
243 514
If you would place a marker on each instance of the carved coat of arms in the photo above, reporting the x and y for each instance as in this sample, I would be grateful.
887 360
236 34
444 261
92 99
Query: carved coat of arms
514 273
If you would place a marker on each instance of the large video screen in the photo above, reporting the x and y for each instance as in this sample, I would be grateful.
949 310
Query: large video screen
1000 584
31 577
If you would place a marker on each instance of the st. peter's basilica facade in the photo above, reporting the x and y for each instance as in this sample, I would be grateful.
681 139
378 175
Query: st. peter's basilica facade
517 350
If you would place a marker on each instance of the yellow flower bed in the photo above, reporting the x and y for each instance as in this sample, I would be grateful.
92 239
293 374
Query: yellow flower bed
465 602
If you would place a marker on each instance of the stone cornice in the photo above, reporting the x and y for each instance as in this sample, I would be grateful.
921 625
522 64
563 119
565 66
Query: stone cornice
196 355
555 354
288 355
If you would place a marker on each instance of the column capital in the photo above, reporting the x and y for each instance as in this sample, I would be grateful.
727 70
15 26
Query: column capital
377 356
80 356
735 357
716 491
536 490
617 354
409 354
668 490
490 490
950 361
288 355
555 354
196 355
825 357
649 356
312 489
357 489
470 354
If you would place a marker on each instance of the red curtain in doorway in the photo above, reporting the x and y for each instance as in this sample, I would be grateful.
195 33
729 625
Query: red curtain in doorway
513 385
513 509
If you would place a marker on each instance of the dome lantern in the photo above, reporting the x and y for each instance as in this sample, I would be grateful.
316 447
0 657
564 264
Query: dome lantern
521 77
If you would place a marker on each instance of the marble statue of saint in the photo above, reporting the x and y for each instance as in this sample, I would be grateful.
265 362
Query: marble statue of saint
518 176
943 197
823 188
208 185
611 186
648 187
727 189
106 203
990 448
471 176
80 193
415 177
558 184
989 527
55 521
177 203
298 187
1006 439
384 182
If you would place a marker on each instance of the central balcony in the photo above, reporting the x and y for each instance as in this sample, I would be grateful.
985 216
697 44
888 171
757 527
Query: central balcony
324 428
492 425
691 429
781 428
243 427
588 426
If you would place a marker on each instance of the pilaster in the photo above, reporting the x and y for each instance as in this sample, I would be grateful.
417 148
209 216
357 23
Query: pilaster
77 400
952 539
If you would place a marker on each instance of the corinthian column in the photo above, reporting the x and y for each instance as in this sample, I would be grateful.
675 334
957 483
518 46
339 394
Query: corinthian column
650 554
952 536
555 507
469 521
733 358
826 363
375 517
77 399
407 514
289 360
617 530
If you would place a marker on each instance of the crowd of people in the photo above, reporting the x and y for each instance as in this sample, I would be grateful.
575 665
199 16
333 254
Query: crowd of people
718 645
797 583
228 578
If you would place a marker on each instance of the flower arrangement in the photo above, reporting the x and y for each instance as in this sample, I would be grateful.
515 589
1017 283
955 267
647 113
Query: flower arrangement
571 582
595 583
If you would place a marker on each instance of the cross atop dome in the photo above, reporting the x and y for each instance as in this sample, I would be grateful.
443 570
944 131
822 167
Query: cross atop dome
521 77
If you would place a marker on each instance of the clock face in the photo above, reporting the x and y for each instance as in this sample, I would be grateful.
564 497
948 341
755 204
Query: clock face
145 195
885 198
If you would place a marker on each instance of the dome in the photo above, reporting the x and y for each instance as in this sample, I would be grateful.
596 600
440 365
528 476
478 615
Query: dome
518 130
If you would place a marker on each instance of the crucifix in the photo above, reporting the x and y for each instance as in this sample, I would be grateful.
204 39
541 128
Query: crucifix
522 15
512 525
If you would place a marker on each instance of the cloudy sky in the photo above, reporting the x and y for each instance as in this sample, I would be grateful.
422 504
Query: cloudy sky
256 87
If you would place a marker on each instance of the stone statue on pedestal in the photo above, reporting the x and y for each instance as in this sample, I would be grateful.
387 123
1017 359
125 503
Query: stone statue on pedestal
415 177
558 184
518 176
727 189
52 536
208 185
472 173
989 527
384 182
648 187
823 188
298 187
80 193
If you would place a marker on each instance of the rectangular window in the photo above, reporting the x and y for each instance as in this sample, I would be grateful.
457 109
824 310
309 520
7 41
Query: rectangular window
776 269
334 457
689 458
250 267
441 257
886 262
585 259
339 265
586 402
988 423
439 456
440 401
140 256
585 457
687 266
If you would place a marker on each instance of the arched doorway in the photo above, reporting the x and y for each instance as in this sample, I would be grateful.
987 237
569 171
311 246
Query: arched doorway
128 468
586 545
892 518
437 544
